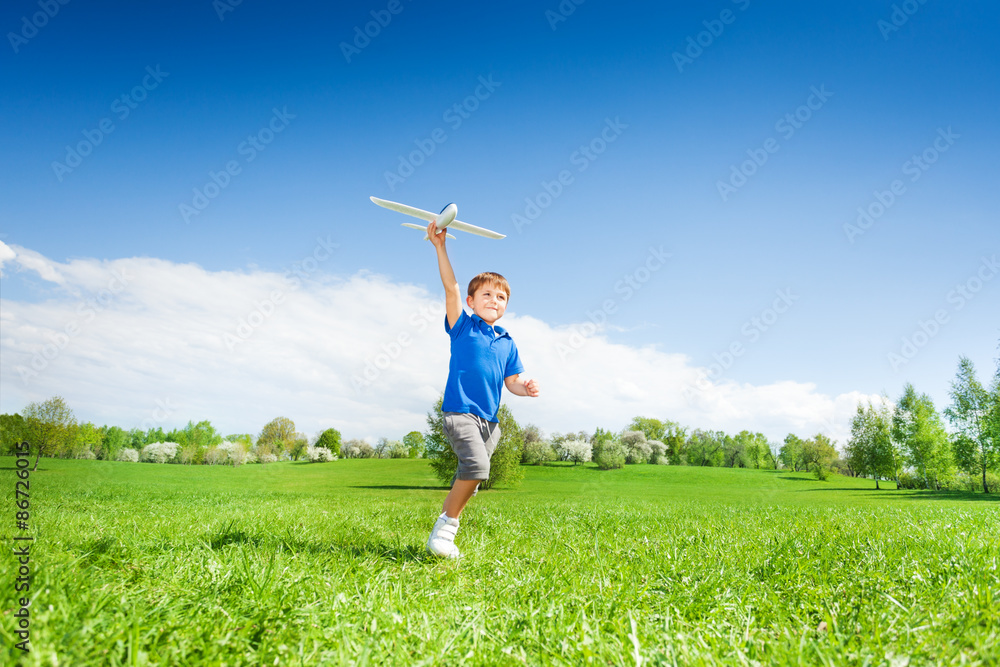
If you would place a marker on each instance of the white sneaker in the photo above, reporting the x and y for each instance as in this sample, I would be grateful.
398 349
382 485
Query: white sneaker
442 539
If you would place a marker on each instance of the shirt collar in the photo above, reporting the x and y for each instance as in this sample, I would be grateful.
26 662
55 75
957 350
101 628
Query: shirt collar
480 323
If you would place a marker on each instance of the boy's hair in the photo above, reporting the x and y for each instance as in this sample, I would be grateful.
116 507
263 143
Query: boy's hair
489 278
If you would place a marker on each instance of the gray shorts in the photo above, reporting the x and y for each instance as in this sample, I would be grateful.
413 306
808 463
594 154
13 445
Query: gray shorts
473 440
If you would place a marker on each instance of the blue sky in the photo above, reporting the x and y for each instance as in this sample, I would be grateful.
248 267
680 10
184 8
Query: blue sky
889 89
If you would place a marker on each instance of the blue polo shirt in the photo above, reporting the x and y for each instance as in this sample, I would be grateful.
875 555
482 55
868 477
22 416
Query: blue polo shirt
481 357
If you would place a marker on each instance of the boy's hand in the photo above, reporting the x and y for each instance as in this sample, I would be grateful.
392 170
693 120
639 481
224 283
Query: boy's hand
531 387
437 238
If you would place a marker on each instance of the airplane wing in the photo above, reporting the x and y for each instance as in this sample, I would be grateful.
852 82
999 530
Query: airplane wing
403 208
428 216
424 229
472 229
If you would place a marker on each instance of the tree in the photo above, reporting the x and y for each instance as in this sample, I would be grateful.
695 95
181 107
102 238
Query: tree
48 425
920 435
414 443
12 432
791 452
532 434
439 452
674 438
577 451
670 433
276 435
818 455
330 439
973 414
755 448
391 449
869 448
704 448
652 429
154 435
734 449
86 442
115 440
505 466
297 446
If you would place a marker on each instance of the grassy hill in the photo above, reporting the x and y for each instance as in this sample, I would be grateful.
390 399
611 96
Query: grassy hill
305 564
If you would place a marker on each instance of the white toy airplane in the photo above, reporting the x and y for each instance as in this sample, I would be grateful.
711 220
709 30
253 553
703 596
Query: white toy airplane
444 219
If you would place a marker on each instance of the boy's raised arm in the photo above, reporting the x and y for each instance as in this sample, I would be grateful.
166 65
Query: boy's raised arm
452 291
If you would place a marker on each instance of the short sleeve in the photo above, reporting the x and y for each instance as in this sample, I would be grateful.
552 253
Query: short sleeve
514 365
461 324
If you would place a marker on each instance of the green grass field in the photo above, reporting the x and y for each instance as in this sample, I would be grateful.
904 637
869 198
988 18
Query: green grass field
306 564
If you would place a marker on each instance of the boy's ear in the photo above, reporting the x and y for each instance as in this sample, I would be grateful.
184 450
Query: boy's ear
468 301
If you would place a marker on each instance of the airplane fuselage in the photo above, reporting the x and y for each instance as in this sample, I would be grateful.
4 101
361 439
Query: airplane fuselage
446 216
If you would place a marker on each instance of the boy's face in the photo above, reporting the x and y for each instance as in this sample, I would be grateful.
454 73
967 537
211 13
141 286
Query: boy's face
489 302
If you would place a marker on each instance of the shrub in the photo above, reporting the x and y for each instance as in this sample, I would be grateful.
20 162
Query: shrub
86 453
637 450
576 451
658 452
227 452
319 454
357 449
128 454
391 449
538 452
266 457
609 454
160 452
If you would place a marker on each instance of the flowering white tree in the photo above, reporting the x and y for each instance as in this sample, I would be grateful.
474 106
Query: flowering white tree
128 454
357 449
659 452
319 454
159 452
636 448
577 451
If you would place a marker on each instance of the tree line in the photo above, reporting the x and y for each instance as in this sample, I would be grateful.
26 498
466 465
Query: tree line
51 429
906 441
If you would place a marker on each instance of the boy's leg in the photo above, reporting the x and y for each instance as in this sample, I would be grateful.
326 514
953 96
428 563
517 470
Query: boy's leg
459 496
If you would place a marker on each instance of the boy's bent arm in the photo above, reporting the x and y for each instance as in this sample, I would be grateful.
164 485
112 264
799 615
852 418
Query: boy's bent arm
452 290
519 387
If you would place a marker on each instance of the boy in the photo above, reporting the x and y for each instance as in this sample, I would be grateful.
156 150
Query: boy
483 357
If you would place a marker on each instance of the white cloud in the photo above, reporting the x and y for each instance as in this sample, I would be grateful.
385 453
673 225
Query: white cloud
6 254
141 341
